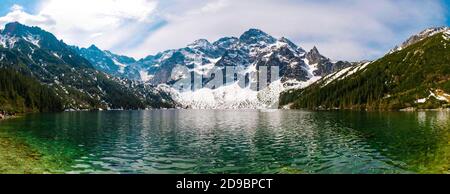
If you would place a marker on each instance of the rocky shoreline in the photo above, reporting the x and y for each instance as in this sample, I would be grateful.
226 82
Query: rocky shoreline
411 109
5 115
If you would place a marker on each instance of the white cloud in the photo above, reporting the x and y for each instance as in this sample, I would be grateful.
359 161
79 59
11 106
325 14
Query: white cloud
214 6
107 23
345 29
18 14
16 7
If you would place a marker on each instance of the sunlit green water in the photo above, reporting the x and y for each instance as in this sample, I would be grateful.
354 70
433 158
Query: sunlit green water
205 141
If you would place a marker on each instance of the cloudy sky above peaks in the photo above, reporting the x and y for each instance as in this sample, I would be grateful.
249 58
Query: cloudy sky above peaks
341 29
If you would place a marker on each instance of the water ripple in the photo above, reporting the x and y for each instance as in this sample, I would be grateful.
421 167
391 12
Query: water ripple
202 141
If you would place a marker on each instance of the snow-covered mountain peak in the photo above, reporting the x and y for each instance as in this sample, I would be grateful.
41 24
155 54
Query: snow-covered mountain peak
15 32
314 51
432 31
105 61
14 28
226 43
201 43
290 44
250 54
257 37
94 48
420 36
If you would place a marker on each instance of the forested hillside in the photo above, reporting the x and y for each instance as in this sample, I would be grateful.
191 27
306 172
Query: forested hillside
19 94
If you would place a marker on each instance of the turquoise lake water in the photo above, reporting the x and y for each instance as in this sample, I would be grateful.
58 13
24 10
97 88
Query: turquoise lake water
228 141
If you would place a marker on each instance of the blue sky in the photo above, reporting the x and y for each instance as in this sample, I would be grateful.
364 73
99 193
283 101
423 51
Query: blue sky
341 29
446 4
29 5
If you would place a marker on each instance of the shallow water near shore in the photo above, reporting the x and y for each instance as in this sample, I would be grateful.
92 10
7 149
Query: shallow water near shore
233 141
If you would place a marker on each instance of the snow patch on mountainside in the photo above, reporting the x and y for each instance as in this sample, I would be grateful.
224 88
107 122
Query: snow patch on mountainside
295 84
312 77
225 97
120 65
145 77
438 95
8 41
33 40
204 69
234 96
252 53
335 76
343 73
446 35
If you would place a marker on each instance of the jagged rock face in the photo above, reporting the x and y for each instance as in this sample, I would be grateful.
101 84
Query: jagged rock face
324 65
163 74
254 48
257 38
204 47
292 45
290 63
235 57
314 56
